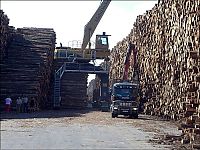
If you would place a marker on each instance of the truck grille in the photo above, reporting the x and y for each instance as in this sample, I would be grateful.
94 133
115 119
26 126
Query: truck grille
125 104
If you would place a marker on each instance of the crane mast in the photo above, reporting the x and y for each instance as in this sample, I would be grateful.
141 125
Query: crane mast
92 24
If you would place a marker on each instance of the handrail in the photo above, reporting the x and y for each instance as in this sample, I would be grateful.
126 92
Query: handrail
84 67
57 76
61 70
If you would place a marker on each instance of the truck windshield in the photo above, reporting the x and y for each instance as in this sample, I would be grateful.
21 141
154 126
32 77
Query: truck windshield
128 91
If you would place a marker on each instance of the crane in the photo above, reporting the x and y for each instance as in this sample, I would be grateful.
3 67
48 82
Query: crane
101 40
78 58
94 21
101 50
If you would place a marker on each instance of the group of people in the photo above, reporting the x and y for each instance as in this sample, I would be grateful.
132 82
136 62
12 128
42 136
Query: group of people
23 104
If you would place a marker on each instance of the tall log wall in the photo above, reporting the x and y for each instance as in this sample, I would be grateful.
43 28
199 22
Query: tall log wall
28 66
5 34
168 43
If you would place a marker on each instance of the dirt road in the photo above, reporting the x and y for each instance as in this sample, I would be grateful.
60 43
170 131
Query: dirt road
75 129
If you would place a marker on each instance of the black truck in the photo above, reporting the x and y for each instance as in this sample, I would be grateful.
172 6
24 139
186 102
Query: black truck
124 100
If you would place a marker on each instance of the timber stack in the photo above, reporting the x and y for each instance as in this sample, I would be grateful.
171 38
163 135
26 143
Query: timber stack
73 86
90 90
28 66
167 39
5 34
74 90
96 90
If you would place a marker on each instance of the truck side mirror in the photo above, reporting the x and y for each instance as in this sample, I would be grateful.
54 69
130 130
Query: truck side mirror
110 91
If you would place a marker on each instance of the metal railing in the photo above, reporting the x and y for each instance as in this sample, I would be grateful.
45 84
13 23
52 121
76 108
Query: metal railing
84 67
60 71
78 43
57 77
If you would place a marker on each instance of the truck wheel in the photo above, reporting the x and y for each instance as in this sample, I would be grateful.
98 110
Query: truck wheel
136 116
113 115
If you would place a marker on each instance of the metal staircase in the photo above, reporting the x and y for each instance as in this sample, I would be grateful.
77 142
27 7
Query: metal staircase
57 79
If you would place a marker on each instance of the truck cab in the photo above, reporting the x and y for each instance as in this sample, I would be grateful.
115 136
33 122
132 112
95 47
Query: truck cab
124 100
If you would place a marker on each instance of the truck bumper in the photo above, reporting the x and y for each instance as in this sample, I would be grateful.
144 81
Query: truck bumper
125 111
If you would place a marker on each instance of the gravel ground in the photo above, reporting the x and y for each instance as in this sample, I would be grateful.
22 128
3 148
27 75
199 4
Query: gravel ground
86 129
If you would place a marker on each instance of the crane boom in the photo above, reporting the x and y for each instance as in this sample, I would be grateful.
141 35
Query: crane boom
94 21
131 48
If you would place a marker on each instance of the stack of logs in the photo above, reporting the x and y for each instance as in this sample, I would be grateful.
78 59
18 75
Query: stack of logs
5 34
167 39
73 87
28 66
73 93
90 89
95 90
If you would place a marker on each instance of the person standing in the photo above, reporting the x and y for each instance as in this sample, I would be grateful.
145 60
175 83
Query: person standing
32 104
8 101
25 103
19 104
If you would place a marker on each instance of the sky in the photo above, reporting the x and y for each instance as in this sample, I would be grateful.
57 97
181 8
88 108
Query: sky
68 18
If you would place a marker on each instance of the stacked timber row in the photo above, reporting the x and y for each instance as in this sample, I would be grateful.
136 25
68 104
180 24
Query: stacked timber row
116 65
167 39
90 89
74 90
5 34
28 66
96 90
73 87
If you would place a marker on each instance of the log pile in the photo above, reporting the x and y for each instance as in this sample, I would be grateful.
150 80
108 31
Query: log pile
5 34
90 89
73 87
96 90
27 69
167 39
74 90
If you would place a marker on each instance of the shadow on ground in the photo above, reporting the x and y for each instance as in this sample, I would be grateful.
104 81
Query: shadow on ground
144 117
45 114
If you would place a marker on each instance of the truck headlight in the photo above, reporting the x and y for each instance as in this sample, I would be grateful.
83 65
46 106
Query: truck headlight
115 108
135 108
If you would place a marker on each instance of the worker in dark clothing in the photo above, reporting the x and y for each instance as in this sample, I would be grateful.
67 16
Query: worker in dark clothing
25 104
32 104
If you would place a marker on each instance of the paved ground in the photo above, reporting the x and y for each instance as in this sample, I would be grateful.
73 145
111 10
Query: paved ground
75 129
